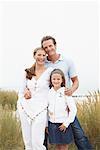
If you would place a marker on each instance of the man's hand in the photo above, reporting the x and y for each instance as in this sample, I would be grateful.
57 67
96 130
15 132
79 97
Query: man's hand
62 128
27 94
68 91
75 84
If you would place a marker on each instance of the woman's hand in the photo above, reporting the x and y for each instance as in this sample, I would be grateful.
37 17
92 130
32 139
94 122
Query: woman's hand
27 93
62 128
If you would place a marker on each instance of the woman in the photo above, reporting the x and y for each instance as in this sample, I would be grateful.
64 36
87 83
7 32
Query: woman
33 111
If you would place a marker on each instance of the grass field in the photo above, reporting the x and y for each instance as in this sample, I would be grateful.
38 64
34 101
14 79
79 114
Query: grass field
10 130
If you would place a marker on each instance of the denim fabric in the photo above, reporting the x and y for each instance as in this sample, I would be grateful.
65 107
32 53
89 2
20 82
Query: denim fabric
80 138
59 137
46 141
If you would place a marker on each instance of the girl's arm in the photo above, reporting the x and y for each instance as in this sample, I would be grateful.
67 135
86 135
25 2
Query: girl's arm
72 111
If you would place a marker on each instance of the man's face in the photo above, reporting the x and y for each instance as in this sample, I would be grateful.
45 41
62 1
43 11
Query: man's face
49 47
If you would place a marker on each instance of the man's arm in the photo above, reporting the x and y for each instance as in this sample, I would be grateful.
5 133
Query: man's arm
75 85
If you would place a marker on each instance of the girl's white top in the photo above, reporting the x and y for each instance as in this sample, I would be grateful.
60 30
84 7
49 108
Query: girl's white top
39 90
58 105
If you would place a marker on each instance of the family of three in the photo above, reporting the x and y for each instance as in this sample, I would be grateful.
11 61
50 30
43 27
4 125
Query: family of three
45 101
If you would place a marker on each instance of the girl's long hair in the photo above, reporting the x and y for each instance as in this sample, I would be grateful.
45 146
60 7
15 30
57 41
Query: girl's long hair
30 72
58 71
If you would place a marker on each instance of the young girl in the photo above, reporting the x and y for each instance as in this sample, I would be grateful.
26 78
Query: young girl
61 111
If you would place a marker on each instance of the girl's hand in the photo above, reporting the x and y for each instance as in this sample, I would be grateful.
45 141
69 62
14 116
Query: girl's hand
27 94
62 128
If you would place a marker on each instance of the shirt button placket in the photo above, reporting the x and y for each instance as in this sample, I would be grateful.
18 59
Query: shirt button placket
35 87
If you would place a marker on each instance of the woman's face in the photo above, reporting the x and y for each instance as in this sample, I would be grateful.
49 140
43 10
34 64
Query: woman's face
40 57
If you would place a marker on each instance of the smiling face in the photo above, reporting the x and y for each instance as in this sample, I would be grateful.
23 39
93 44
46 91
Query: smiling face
49 47
56 80
40 57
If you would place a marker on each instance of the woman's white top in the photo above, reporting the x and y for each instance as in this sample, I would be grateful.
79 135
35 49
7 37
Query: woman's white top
39 90
58 105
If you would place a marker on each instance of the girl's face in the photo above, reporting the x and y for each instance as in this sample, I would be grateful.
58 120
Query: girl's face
56 80
40 57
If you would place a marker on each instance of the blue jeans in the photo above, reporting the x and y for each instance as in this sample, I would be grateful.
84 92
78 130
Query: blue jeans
46 141
80 138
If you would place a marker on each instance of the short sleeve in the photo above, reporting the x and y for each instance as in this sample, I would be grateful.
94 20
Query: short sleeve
71 69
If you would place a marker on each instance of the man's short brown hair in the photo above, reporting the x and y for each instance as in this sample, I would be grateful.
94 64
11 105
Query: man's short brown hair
45 38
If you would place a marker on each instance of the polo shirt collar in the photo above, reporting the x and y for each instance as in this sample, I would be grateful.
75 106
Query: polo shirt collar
60 58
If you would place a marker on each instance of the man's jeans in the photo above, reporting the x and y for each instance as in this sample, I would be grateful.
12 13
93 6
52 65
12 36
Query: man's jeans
46 140
80 138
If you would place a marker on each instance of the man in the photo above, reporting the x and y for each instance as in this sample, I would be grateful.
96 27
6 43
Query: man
55 60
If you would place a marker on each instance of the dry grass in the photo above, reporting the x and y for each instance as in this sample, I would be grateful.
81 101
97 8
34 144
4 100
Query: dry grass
89 116
8 98
10 131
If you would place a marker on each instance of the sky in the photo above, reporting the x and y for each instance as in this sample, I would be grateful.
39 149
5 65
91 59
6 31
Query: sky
74 25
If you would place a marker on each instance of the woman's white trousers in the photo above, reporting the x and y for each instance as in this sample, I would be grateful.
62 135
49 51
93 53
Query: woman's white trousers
33 131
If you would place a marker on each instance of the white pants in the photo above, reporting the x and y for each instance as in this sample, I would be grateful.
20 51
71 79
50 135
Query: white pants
33 132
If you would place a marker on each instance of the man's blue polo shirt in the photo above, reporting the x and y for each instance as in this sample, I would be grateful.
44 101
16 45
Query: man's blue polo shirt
66 65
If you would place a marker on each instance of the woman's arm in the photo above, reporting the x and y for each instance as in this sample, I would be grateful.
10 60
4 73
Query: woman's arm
22 86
